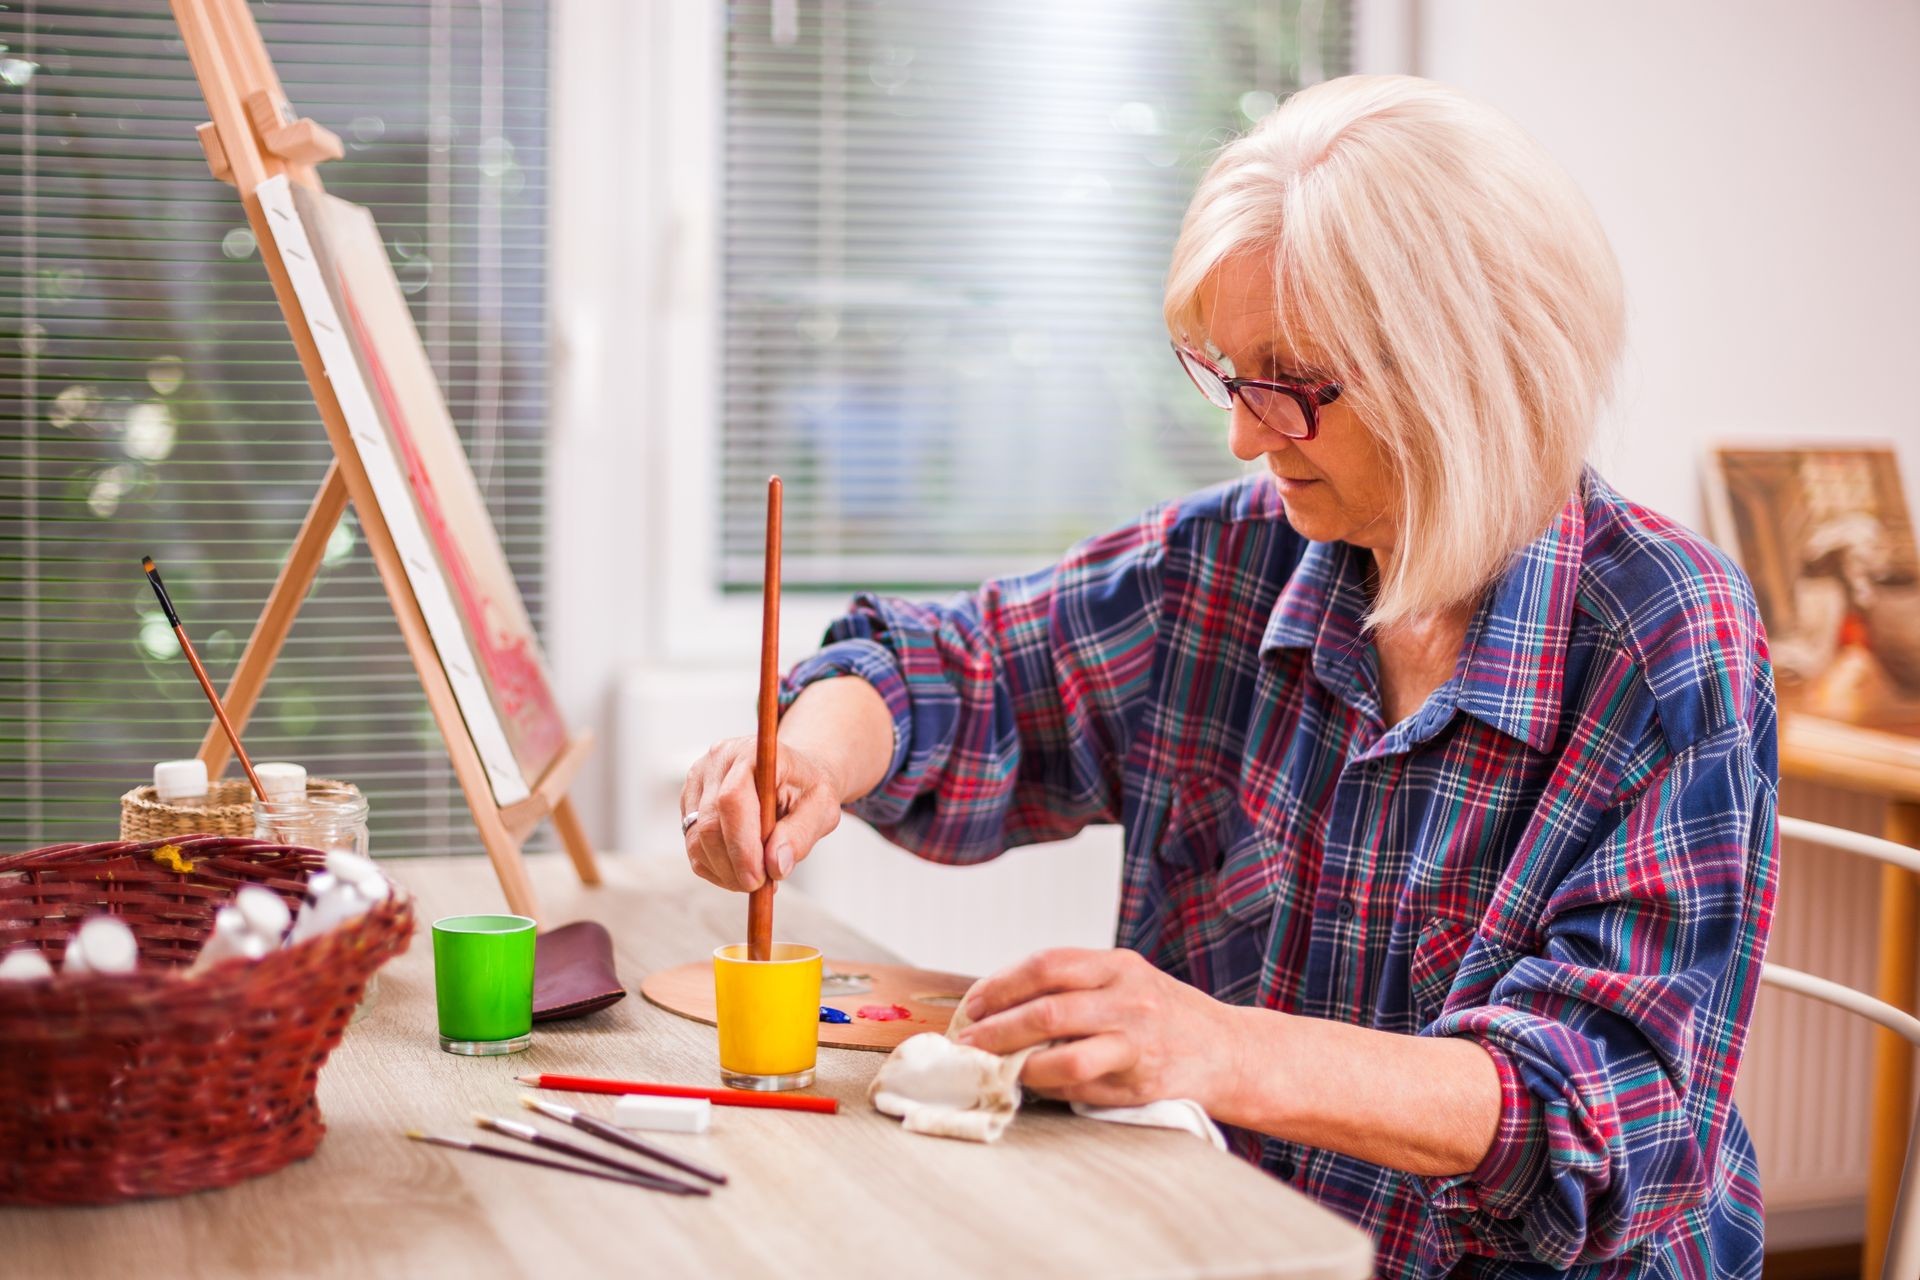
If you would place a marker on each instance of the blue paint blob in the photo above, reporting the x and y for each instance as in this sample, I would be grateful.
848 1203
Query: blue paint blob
833 1015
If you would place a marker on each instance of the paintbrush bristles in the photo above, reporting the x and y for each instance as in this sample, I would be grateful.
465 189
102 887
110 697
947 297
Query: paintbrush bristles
160 591
552 1110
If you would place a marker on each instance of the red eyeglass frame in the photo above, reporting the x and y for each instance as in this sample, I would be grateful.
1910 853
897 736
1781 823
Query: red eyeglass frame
1310 397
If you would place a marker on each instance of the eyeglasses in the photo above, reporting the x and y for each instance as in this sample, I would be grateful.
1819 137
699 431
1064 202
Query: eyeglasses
1290 408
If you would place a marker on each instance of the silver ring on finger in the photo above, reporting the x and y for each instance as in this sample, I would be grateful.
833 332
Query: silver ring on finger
687 820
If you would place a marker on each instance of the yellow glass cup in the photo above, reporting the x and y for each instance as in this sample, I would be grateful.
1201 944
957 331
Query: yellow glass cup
769 1015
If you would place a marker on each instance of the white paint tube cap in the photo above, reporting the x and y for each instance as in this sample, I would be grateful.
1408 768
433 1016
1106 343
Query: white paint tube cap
25 965
265 912
282 780
663 1115
105 945
175 780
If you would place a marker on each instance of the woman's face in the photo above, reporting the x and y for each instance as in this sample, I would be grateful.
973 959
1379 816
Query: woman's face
1337 487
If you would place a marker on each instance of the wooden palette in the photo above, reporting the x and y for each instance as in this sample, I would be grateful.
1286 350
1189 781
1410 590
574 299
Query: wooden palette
929 998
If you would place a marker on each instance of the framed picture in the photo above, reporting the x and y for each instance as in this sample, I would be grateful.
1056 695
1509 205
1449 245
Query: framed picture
1825 535
418 471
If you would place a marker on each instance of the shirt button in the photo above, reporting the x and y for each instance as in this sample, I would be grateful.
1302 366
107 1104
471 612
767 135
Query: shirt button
1346 908
1286 1169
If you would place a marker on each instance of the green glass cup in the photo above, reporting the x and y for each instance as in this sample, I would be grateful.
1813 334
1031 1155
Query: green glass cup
483 983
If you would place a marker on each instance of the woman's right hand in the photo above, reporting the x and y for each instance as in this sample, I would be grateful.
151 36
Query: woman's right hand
723 841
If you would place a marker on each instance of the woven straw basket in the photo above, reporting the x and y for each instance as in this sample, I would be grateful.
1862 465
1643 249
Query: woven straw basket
228 811
155 1083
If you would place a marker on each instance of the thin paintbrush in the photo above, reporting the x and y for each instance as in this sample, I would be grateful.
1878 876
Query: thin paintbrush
767 753
200 672
528 1134
601 1129
501 1153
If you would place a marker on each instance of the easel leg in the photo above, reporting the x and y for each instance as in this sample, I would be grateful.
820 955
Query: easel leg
276 618
508 866
1893 1056
574 837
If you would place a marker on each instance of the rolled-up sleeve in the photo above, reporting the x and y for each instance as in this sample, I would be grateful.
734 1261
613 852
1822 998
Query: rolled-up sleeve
1011 704
1616 1038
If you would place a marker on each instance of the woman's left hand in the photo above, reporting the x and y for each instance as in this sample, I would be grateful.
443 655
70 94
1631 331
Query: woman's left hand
1135 1034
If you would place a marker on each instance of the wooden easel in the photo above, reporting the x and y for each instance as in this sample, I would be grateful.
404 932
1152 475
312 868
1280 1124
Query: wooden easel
253 136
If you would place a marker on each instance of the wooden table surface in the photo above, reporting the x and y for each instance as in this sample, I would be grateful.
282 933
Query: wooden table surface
847 1195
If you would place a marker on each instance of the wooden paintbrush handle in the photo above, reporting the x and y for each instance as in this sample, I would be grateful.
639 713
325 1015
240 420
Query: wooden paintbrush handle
767 748
219 712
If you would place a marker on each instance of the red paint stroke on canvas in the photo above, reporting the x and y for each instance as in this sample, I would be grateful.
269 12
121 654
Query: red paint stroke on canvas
512 668
883 1012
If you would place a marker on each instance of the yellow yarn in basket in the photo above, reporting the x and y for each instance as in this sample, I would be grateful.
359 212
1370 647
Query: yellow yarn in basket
170 857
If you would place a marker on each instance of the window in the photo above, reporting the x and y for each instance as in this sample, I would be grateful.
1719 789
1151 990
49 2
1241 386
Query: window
944 232
151 402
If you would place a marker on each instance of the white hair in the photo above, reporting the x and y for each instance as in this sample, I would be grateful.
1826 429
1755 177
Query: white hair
1451 275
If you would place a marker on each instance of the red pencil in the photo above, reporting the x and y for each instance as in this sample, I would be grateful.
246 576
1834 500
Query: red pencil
718 1097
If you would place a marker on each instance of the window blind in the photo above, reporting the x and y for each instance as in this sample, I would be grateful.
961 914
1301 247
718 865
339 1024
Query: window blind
151 401
946 230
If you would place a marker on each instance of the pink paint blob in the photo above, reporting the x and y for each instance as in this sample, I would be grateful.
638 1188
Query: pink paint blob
883 1012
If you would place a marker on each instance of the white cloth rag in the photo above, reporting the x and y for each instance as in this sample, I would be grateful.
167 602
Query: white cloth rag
939 1086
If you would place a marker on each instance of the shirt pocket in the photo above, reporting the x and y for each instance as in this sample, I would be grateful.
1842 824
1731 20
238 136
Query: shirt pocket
1212 845
1224 877
1434 965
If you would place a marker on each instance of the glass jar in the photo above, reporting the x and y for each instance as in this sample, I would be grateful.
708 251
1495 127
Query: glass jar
331 817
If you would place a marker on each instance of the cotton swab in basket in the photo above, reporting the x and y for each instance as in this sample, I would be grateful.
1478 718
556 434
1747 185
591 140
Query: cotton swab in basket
25 964
200 673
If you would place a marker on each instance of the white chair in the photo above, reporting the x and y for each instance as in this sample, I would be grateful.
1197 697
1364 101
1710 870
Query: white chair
1903 1240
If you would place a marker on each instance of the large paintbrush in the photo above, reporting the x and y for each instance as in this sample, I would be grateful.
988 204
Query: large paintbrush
200 673
767 754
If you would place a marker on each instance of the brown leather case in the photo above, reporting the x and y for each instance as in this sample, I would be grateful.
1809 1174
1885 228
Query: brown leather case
573 971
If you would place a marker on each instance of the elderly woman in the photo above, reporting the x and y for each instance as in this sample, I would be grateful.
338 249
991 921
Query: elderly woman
1447 773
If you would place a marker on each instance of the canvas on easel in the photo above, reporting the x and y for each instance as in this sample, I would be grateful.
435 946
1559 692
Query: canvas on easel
383 379
397 458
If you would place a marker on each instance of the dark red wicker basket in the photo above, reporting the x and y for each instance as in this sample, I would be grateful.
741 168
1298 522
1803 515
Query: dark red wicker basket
156 1083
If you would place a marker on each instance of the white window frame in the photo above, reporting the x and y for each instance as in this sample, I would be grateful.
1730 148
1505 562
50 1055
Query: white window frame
645 644
666 137
659 329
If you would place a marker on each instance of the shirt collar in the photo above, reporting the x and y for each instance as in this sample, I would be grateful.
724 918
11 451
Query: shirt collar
1514 668
1512 672
1321 609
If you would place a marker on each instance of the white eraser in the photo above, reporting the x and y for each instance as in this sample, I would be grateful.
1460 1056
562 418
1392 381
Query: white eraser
180 780
663 1115
280 779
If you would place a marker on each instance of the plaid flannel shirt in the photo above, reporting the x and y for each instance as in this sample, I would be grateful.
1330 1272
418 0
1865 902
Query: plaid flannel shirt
1567 853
